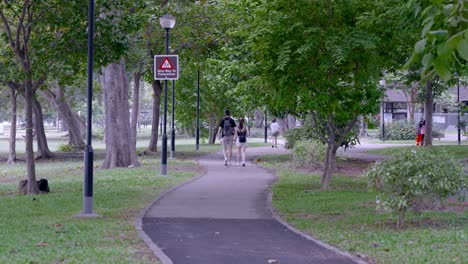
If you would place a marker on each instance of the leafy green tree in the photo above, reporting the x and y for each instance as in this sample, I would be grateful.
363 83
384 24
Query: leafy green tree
443 47
200 40
317 57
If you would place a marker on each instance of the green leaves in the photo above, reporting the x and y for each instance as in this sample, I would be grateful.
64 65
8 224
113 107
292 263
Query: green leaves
413 174
462 48
443 36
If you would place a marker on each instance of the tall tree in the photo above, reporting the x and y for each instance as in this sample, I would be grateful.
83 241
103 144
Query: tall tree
17 30
442 49
316 57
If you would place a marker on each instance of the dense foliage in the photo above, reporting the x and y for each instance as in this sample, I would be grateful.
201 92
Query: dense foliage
413 174
403 130
309 154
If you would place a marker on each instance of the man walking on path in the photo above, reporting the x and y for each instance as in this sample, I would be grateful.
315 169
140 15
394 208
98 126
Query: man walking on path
228 132
275 131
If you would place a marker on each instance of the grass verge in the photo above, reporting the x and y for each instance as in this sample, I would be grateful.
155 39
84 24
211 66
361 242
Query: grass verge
345 217
42 228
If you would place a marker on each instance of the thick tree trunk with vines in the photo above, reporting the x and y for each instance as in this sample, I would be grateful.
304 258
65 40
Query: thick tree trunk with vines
41 138
428 110
135 106
153 144
12 152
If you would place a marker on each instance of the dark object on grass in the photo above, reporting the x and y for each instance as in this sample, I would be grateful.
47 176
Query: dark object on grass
43 185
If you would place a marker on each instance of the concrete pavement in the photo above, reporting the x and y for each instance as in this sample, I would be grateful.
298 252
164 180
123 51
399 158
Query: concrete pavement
224 217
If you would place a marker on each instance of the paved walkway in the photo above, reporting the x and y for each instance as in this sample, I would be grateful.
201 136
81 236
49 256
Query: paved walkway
223 217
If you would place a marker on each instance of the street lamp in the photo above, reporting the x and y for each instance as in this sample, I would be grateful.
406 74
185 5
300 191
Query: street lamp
167 22
382 84
197 133
172 122
458 114
266 128
88 153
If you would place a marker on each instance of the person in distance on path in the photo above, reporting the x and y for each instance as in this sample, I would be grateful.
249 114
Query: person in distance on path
241 141
275 131
227 131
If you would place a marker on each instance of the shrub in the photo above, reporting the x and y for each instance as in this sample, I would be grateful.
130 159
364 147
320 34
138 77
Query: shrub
309 153
98 133
302 133
413 174
66 148
403 130
398 130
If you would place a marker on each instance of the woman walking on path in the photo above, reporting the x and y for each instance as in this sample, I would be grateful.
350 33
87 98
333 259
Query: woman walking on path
275 129
241 142
422 127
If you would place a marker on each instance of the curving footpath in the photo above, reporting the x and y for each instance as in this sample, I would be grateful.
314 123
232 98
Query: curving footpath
224 217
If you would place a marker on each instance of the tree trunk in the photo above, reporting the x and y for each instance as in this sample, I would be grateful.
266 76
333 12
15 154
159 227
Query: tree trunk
330 164
75 125
42 146
291 122
30 163
213 130
12 153
120 152
258 118
401 218
153 144
135 106
428 110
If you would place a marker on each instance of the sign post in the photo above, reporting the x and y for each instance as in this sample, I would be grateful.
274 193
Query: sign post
166 67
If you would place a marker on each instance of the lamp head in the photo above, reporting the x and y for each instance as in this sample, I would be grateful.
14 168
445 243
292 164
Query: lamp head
167 21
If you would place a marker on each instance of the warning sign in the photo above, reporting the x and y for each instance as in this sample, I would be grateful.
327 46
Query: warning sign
166 67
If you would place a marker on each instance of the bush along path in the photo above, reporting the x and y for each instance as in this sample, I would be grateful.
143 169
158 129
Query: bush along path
224 217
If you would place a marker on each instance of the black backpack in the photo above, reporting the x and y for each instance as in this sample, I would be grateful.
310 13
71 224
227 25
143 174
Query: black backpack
227 127
242 137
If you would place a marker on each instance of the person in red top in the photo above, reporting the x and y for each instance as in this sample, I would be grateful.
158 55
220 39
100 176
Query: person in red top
422 127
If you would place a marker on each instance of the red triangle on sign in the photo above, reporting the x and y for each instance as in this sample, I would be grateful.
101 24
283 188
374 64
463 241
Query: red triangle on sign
166 65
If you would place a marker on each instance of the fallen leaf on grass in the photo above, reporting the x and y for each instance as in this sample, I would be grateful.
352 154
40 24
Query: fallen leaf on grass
41 244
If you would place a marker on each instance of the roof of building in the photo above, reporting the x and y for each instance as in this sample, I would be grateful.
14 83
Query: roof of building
393 95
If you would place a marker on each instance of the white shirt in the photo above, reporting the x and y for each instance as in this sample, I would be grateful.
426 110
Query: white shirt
274 127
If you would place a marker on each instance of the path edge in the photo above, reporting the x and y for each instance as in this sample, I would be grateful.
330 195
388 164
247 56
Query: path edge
157 251
304 235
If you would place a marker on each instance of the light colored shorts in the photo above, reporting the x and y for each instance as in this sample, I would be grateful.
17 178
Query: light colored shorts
239 144
228 141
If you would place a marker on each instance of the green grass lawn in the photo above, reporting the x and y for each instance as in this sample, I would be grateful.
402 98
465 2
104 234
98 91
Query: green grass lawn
346 217
43 229
457 151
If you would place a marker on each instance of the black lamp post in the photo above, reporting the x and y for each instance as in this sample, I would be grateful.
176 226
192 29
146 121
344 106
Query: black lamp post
88 153
382 83
197 136
458 112
172 122
266 128
167 22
